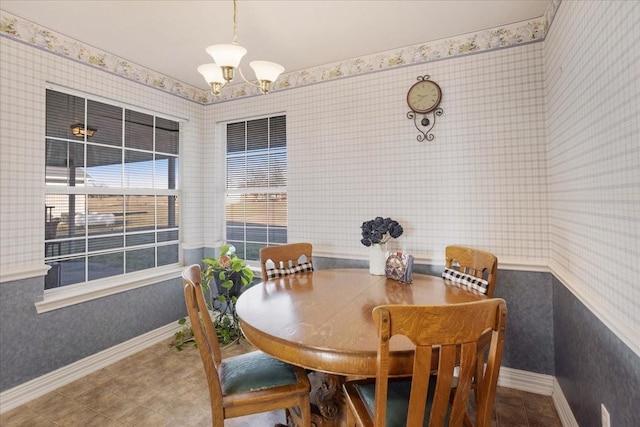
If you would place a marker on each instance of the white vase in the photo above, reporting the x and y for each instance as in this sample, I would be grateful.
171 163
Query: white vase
377 259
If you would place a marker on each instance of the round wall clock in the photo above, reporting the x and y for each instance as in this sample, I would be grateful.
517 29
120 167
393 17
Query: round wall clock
424 96
424 99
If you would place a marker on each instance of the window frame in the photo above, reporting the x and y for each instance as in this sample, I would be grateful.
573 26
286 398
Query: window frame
65 295
255 190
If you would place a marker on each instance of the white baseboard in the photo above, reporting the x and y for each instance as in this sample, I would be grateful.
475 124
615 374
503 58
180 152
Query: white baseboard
539 384
526 381
40 386
562 406
512 378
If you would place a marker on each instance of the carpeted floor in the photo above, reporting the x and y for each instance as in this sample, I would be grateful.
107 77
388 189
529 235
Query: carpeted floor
163 387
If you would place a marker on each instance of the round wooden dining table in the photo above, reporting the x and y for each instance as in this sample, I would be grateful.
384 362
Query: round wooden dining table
322 320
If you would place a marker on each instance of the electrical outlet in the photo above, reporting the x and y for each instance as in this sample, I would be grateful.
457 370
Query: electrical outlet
606 419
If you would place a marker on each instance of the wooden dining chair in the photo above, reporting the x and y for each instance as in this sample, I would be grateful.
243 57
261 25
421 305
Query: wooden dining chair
425 399
279 261
472 268
246 384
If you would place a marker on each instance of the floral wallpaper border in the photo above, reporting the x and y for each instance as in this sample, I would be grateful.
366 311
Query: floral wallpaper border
529 31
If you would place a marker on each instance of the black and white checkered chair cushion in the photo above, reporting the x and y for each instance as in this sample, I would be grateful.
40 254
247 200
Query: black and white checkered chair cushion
277 272
272 273
466 280
301 268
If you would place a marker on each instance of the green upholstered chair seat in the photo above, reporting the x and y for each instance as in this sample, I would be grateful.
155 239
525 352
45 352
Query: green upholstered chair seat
254 371
397 401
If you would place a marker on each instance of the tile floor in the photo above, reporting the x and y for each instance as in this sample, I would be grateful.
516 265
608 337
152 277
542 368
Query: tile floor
163 387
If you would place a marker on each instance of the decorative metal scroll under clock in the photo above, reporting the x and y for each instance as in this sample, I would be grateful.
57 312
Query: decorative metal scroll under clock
423 99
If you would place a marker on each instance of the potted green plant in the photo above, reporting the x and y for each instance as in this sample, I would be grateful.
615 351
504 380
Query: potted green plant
231 275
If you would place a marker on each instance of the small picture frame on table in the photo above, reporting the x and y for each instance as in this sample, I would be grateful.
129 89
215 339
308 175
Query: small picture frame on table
399 267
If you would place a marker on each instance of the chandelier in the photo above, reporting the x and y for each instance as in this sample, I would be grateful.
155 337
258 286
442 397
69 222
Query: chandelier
227 58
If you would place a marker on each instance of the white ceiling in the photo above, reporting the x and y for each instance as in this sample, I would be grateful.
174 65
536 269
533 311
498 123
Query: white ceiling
170 37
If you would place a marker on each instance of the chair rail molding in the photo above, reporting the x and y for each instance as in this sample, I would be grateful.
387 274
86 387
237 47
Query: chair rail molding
626 333
26 272
515 264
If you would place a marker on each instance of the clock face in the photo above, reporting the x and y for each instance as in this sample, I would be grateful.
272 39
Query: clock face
424 96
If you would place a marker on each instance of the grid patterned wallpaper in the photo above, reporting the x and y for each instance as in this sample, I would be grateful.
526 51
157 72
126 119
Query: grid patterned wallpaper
592 87
25 73
353 155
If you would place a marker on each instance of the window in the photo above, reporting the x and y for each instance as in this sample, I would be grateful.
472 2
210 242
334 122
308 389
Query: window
111 190
256 196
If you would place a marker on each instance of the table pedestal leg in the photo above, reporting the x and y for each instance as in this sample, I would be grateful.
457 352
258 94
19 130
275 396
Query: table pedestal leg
326 393
327 404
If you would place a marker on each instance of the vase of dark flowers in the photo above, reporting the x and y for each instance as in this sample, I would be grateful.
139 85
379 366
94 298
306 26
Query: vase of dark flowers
375 235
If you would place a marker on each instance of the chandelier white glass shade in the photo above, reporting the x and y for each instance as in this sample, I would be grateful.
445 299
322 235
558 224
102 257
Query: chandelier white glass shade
265 70
213 75
226 55
227 59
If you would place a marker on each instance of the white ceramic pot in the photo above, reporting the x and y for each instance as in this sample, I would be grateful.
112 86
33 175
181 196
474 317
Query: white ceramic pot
377 259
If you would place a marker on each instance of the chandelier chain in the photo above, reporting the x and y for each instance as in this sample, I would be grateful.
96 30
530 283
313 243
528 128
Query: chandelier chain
235 12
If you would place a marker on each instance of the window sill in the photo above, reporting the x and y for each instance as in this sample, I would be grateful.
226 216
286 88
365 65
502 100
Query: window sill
75 294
